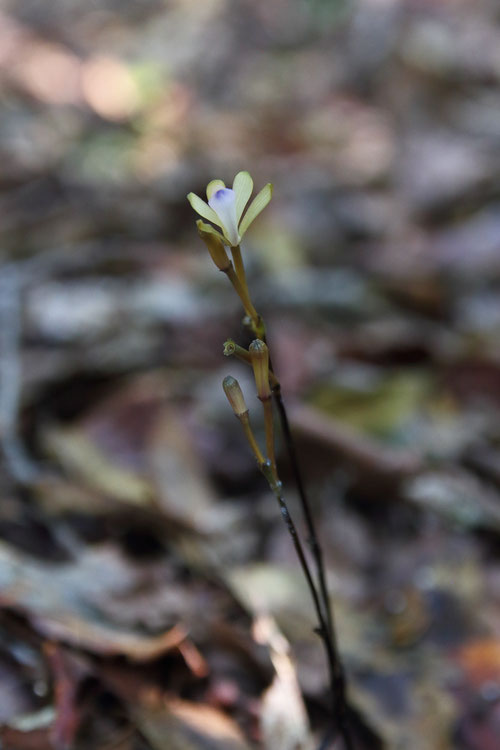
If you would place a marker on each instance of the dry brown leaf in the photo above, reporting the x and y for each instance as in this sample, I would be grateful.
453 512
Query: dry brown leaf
178 475
83 459
179 725
136 448
264 588
366 454
63 601
283 716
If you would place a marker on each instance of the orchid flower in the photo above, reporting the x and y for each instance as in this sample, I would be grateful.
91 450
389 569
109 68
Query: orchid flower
225 207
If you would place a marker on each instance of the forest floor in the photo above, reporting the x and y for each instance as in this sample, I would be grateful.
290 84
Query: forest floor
150 598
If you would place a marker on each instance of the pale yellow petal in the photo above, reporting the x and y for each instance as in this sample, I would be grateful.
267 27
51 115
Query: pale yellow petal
242 186
256 206
203 209
209 228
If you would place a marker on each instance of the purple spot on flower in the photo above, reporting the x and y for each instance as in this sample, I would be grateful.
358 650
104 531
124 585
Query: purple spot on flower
223 195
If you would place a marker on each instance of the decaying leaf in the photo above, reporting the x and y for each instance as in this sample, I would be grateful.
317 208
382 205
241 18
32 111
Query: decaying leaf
82 458
180 725
364 453
458 496
135 448
64 602
273 589
178 476
283 716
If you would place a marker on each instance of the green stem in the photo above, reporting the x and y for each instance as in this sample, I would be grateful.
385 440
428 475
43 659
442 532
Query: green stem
242 292
238 264
245 421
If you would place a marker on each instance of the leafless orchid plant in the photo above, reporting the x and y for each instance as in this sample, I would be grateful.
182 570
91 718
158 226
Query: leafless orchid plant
225 208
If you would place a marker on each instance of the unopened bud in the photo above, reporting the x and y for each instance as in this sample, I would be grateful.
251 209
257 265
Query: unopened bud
234 395
215 247
259 355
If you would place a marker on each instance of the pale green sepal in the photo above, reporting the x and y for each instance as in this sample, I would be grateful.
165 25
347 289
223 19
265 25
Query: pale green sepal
203 209
256 206
213 186
242 186
209 228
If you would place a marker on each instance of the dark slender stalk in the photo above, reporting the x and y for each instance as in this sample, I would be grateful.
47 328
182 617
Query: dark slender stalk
312 539
269 427
336 670
306 508
334 664
292 530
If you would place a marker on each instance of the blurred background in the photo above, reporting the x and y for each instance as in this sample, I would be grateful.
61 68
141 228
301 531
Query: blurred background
147 588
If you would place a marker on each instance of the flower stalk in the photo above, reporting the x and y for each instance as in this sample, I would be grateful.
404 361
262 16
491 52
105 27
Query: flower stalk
219 256
239 267
236 400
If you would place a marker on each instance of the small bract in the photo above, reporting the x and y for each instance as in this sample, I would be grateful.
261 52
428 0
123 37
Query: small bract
225 207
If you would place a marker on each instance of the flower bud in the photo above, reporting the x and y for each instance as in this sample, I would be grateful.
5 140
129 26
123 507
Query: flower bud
259 355
215 247
234 396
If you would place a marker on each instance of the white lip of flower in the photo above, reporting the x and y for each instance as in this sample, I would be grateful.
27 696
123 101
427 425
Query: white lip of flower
225 207
223 202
